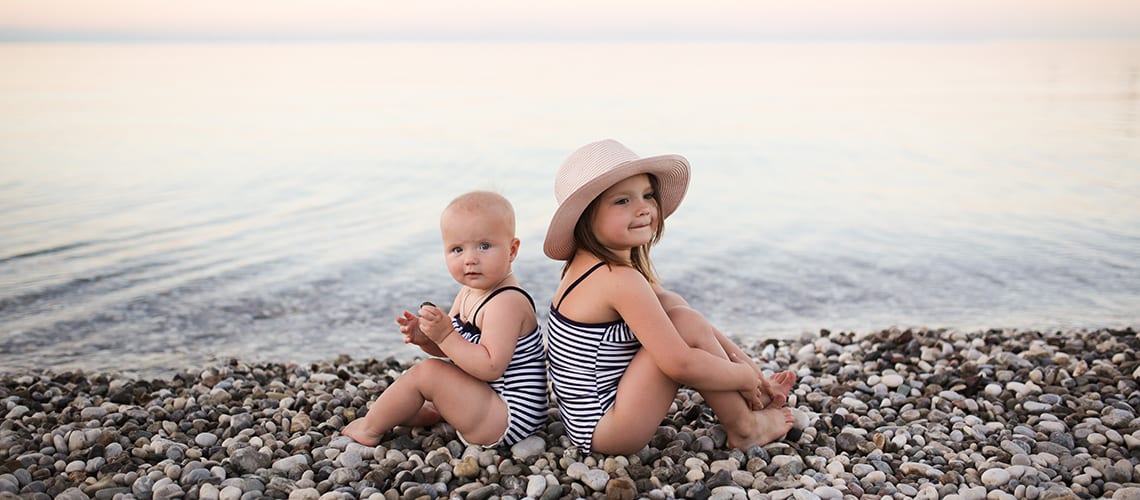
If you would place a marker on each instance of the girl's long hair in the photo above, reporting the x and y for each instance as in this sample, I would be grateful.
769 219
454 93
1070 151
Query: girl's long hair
638 256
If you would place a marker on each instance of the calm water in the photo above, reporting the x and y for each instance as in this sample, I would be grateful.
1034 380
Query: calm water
167 206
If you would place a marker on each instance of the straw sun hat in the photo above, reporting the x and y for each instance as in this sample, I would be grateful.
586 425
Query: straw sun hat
595 167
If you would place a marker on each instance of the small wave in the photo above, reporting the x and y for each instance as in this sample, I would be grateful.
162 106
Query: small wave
47 251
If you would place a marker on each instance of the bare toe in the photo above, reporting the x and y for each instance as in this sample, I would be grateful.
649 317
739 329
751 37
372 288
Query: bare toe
771 424
782 384
358 431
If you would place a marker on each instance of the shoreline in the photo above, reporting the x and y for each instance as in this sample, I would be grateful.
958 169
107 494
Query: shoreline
905 413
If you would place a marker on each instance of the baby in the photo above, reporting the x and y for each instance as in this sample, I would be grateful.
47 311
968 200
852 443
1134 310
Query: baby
492 386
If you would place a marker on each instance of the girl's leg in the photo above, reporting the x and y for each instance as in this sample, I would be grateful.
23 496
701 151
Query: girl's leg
780 383
744 426
436 387
643 398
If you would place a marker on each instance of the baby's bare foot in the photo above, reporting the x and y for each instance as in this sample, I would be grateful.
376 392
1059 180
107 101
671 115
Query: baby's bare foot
359 432
771 424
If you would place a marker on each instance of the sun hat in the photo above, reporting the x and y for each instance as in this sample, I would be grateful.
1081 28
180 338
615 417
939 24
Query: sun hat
592 169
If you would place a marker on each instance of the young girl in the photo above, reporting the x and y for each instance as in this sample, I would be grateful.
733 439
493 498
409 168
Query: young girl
494 389
619 344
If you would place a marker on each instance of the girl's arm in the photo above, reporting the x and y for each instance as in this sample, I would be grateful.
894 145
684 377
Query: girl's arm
634 300
672 299
504 320
735 352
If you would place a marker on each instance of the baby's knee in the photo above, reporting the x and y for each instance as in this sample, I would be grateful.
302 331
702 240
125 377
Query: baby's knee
428 368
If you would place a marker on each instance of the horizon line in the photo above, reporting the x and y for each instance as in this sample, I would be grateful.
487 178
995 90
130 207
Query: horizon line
96 37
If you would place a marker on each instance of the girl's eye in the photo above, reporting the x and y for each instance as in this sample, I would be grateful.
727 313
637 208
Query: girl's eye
621 201
650 196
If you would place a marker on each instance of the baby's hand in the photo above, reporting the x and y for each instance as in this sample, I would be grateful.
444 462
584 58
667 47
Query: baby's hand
410 327
434 323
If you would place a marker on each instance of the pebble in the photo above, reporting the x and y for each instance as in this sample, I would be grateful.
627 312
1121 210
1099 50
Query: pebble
995 477
897 413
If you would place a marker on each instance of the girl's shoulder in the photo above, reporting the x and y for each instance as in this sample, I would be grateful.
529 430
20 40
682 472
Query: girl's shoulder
620 277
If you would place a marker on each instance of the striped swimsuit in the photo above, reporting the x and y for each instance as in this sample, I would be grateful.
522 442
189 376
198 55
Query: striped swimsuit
587 361
523 383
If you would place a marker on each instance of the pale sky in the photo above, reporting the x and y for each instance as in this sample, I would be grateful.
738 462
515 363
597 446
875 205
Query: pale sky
537 20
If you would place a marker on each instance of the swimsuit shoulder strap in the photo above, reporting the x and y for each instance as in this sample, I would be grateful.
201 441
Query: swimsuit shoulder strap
576 282
496 292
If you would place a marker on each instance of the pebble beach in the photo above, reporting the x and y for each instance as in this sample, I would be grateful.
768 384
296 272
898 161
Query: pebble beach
892 414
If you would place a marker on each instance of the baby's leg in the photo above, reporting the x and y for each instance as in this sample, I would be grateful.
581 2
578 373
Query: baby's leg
468 404
643 398
419 396
426 417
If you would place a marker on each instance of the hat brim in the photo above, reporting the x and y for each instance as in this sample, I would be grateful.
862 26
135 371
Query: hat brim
671 171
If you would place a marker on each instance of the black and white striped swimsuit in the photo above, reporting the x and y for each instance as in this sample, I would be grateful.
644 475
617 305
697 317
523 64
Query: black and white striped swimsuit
523 383
587 361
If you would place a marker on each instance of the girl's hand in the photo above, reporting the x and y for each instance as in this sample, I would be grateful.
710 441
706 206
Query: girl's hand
764 395
434 323
410 327
757 395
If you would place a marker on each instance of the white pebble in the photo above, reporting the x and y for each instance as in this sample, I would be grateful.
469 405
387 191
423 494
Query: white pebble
230 493
995 477
892 380
535 485
828 492
596 479
205 439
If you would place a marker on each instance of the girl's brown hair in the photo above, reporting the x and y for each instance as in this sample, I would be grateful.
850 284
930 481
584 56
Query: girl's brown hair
638 256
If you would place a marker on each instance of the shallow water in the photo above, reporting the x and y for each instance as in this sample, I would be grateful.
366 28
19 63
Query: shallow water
169 205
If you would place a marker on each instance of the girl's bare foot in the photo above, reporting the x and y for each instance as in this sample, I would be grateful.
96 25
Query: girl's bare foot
358 430
771 424
774 391
781 385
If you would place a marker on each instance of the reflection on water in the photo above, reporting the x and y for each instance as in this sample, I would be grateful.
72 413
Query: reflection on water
165 205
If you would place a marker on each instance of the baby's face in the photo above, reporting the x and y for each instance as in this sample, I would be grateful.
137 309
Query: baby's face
478 248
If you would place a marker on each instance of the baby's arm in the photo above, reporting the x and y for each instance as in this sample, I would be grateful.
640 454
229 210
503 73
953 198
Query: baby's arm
410 327
503 321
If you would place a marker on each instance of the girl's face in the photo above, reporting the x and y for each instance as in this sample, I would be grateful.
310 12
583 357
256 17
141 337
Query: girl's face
478 248
626 215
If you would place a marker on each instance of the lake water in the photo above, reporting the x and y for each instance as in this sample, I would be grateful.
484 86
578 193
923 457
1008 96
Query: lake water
166 206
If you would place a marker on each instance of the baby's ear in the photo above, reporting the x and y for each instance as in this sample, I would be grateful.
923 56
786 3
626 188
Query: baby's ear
515 243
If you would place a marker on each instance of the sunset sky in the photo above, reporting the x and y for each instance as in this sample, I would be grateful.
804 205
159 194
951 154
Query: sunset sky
583 20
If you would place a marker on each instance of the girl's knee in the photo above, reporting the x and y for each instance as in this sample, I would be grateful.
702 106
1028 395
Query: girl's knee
692 326
683 315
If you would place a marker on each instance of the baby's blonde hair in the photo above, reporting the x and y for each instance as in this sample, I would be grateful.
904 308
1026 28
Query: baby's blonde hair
487 204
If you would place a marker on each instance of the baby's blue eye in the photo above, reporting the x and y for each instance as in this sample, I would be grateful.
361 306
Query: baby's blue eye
484 246
456 250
